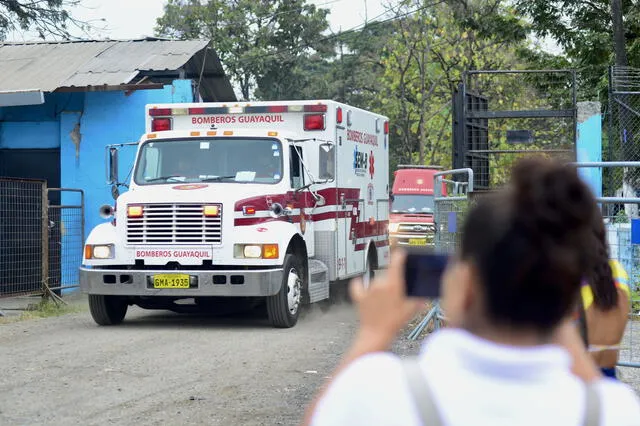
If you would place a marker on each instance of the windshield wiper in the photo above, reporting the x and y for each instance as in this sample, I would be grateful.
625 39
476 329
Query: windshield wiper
217 178
162 178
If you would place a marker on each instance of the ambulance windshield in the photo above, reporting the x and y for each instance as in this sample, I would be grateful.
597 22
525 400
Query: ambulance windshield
230 160
416 204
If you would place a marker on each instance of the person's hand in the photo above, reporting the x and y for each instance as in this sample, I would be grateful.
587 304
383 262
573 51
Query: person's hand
384 308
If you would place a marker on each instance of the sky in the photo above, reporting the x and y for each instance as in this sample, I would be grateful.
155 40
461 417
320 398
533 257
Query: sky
126 19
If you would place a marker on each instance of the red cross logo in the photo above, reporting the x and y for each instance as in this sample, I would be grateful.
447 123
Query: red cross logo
371 169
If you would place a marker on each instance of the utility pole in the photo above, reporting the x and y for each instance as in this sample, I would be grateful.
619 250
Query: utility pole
618 33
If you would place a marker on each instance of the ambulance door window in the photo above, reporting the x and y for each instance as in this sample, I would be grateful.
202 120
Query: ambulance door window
327 162
297 171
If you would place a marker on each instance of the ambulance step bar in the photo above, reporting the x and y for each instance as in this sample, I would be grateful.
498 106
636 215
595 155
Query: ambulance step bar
318 281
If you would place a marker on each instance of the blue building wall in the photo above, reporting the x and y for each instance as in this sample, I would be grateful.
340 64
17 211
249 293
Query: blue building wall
107 118
589 144
104 118
37 126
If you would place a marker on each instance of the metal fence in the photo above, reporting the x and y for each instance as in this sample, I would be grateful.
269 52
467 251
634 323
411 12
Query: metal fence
623 138
41 237
450 207
501 116
23 248
66 237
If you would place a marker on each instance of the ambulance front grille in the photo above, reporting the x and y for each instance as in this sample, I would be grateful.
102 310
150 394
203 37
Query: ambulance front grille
416 228
174 224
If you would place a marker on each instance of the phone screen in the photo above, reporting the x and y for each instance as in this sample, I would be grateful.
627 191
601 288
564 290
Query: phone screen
423 273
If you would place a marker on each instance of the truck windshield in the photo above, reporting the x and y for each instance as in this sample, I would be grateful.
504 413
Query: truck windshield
239 160
412 204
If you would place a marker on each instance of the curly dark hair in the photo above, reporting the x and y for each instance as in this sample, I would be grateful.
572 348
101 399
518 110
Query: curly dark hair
528 242
600 277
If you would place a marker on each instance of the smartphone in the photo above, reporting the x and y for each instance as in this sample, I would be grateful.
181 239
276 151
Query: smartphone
423 273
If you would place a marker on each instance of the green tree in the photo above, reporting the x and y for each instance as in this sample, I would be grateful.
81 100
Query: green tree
585 31
425 59
44 17
263 44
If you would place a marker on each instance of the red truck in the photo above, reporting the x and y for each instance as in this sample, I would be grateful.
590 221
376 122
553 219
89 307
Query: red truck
411 212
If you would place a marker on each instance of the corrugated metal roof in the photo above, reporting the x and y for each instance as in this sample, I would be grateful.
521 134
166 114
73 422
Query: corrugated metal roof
48 66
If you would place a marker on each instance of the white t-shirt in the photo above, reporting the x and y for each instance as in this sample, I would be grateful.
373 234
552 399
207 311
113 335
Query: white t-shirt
474 382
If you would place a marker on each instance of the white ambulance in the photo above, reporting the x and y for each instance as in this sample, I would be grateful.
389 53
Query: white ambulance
252 202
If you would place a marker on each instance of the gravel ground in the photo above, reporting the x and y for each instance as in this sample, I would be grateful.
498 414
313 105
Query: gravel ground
163 368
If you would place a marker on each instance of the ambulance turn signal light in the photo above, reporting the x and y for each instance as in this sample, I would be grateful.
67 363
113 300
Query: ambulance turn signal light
270 251
134 211
211 211
248 211
314 122
160 124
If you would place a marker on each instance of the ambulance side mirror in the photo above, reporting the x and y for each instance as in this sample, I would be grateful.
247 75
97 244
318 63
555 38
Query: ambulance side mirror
327 165
113 166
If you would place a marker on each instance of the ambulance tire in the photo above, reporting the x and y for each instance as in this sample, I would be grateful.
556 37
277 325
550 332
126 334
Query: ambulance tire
107 310
369 269
279 311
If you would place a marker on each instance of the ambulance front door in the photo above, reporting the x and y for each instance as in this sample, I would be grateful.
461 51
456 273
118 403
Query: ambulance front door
303 200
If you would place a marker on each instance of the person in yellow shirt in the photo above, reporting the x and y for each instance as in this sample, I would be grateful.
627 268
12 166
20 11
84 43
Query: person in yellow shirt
605 298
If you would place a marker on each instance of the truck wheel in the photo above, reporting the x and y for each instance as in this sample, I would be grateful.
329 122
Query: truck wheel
107 310
369 271
284 307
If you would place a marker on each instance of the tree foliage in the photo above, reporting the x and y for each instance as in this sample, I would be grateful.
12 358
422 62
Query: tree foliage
44 17
263 44
425 59
584 30
405 66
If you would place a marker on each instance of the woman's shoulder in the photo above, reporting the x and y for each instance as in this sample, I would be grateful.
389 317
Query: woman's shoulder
617 270
620 277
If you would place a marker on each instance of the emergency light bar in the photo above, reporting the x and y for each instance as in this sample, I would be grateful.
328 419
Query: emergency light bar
315 121
168 112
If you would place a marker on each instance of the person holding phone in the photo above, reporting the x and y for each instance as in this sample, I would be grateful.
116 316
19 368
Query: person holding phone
509 296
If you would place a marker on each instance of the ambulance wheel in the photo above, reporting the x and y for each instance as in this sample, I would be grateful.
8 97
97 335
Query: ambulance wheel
107 310
283 308
369 270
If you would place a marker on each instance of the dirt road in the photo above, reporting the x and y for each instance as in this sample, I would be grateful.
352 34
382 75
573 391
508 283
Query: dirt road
163 368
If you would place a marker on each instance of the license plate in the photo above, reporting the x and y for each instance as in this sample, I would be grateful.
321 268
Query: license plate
417 241
171 281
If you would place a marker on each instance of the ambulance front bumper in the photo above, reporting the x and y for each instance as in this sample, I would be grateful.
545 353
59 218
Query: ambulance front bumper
126 282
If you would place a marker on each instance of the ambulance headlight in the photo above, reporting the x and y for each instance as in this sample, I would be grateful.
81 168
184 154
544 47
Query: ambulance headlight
393 227
252 252
102 251
256 251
